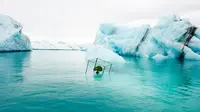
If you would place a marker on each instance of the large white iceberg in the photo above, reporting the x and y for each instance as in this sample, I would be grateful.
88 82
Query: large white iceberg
171 37
11 36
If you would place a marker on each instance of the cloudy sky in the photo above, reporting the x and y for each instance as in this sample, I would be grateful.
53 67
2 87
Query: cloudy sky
79 19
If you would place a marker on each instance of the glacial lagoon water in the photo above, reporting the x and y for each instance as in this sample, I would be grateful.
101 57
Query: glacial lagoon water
54 81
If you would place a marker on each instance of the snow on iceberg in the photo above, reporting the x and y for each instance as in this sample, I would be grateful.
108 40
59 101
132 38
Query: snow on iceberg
11 36
171 37
104 54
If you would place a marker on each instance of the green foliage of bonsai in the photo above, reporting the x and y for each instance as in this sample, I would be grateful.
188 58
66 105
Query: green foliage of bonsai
98 69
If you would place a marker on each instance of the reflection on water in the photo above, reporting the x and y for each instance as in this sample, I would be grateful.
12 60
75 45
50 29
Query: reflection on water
12 66
54 81
174 72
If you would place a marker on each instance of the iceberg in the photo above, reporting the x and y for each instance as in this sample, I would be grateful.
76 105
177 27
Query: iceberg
103 53
11 36
171 37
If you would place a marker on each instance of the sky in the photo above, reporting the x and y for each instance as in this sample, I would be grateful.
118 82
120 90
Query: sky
79 19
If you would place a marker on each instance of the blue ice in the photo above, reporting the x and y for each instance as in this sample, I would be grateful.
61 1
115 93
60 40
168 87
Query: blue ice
166 40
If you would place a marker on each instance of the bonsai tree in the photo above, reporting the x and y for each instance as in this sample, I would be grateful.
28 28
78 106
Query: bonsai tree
98 69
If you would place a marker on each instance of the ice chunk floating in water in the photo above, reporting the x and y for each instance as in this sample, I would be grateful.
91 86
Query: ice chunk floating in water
11 36
104 54
171 37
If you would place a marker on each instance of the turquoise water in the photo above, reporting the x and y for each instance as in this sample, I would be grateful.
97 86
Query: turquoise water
54 81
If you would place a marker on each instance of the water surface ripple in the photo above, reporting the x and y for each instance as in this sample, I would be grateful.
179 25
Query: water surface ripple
54 81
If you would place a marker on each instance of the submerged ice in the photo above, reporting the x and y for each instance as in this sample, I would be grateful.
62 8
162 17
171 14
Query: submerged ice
11 36
171 37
